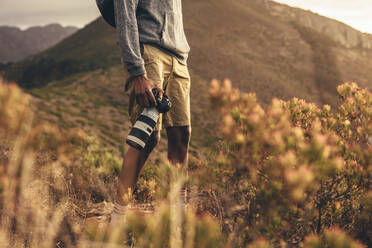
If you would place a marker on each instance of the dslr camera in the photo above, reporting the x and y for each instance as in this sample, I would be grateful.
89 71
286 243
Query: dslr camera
146 122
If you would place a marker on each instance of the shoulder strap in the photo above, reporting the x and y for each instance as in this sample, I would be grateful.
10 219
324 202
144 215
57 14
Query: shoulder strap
106 7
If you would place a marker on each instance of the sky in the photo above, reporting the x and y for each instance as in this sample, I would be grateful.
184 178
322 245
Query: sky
25 13
355 13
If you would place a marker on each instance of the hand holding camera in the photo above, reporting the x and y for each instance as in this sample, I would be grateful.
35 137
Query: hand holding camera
143 91
146 122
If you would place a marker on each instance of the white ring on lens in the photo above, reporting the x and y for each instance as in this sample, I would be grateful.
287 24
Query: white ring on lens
152 113
144 127
136 140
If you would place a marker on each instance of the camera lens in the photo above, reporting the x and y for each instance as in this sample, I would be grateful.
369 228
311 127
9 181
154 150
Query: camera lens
146 123
143 128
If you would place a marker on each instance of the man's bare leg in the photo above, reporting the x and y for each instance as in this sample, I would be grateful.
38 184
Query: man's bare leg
178 145
133 162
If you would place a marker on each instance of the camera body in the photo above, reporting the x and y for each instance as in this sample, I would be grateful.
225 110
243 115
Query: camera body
146 122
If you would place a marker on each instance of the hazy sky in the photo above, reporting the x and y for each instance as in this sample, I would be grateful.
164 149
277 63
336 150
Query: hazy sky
355 13
25 13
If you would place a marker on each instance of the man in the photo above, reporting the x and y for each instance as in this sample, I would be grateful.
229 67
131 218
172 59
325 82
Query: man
154 50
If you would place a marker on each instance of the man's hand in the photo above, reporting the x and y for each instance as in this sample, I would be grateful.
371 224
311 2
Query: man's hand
143 91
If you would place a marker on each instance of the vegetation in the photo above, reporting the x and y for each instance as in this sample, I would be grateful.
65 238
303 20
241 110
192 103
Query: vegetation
293 169
274 174
290 174
4 66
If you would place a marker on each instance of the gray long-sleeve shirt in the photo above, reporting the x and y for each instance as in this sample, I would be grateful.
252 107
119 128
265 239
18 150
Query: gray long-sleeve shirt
154 22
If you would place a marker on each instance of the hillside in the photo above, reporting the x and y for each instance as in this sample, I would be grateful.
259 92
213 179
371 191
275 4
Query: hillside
274 57
259 47
96 103
17 44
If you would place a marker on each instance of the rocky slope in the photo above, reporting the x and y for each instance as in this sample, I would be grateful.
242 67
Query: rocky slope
338 31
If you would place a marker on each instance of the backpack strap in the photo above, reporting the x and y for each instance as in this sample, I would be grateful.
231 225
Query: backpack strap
106 7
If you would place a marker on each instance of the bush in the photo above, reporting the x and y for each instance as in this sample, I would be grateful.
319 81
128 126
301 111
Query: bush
293 169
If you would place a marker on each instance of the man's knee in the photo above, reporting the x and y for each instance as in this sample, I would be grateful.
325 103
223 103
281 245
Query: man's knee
179 135
186 135
178 144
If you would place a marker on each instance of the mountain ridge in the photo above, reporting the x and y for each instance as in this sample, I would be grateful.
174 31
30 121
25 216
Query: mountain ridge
16 44
340 32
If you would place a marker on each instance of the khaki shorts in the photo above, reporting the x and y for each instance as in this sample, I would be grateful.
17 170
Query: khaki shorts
173 77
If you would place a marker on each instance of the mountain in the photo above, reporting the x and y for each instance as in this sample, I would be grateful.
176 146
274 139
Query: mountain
16 44
272 55
262 46
337 31
90 48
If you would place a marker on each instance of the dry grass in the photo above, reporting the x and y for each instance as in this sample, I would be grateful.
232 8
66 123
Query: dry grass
53 180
